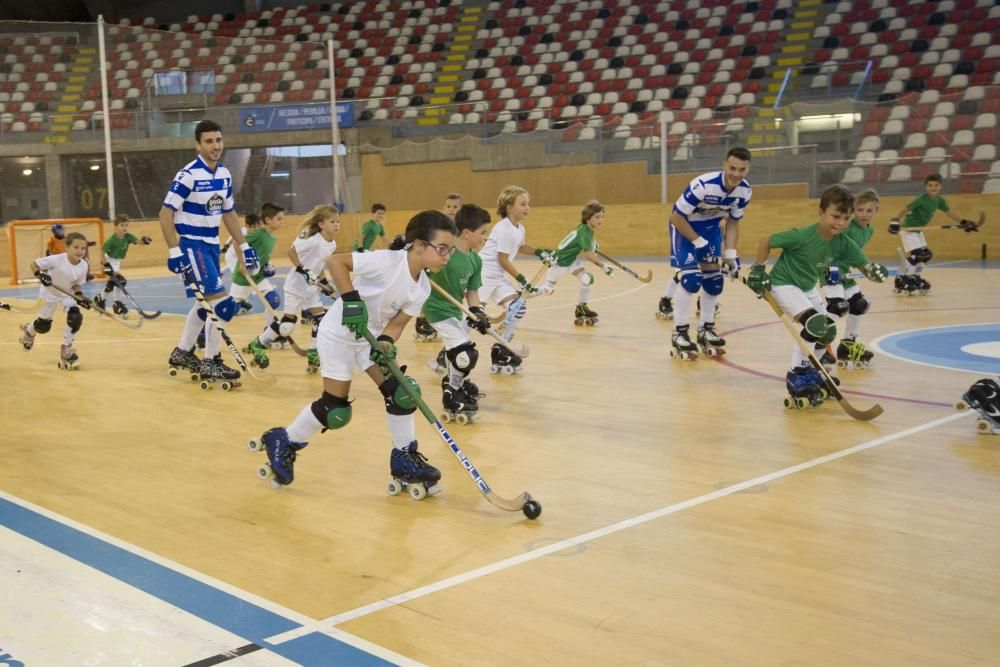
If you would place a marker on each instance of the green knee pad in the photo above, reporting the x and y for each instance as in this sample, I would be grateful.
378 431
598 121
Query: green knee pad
332 411
820 329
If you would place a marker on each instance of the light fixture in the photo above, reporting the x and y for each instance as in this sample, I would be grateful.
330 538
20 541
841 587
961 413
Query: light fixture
95 167
26 172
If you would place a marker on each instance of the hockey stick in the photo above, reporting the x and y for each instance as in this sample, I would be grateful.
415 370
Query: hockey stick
491 332
15 308
523 503
534 283
831 386
189 280
641 279
270 311
135 304
975 225
858 275
93 306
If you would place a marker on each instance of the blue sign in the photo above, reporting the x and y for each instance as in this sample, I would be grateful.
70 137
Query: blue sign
294 117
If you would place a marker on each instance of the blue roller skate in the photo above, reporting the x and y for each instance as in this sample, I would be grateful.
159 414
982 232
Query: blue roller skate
805 386
984 397
281 453
410 469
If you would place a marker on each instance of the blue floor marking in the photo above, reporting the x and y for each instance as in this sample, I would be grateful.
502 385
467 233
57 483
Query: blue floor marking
210 604
942 347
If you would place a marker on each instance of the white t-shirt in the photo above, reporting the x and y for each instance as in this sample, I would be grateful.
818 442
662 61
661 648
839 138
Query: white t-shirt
313 252
63 274
505 237
383 280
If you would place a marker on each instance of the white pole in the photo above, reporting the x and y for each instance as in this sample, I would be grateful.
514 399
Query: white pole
663 159
334 125
107 119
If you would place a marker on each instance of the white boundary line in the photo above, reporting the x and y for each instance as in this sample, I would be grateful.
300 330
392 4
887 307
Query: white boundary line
499 566
272 607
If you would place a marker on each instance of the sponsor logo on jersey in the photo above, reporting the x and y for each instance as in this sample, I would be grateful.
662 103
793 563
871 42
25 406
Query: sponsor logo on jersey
214 205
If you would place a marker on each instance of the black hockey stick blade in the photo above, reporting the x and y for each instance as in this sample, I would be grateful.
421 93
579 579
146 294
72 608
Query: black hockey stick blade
522 503
135 304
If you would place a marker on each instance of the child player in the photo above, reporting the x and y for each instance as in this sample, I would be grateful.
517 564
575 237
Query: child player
380 292
308 253
68 271
251 223
424 332
115 249
806 252
262 240
506 240
578 242
918 214
372 230
843 295
57 242
461 278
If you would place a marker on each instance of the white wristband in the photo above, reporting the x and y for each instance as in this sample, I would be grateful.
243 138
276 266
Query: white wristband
700 242
175 252
729 253
244 246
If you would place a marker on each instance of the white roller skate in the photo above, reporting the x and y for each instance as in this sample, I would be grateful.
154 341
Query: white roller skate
683 348
27 338
710 343
69 360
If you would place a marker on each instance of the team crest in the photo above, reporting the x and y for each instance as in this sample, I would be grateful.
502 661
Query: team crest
214 205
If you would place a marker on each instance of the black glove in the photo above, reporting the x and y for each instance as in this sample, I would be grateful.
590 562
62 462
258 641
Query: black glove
894 226
268 271
82 301
118 280
43 278
480 322
146 240
969 226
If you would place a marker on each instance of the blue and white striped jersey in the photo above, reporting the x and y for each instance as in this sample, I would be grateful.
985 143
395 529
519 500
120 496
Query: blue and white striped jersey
199 197
705 200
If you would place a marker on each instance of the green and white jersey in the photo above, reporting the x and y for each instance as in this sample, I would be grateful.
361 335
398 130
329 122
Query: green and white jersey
806 256
861 236
922 209
579 240
263 242
369 231
462 273
117 248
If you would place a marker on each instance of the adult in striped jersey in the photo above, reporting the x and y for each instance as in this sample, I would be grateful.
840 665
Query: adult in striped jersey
200 198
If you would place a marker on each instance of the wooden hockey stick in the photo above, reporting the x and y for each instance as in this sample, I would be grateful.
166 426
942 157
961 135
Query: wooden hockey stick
100 311
642 279
534 283
522 503
523 352
270 311
17 308
266 381
831 386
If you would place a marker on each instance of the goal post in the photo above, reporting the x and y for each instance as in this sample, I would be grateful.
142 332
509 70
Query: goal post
29 239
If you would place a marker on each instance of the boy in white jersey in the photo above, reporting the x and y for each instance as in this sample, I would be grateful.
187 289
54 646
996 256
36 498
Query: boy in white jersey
388 287
506 240
68 271
200 198
308 253
696 245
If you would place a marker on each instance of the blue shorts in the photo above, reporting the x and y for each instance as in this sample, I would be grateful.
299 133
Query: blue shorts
204 259
682 251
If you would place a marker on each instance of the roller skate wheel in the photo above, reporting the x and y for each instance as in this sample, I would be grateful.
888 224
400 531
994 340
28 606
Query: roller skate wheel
255 445
205 385
394 487
461 419
860 365
961 405
789 403
264 472
195 377
841 363
590 322
532 509
418 491
507 370
226 385
445 417
708 352
984 426
494 368
172 372
822 395
578 322
673 354
801 402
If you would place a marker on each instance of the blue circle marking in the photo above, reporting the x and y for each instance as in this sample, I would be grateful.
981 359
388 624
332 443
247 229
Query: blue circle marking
974 348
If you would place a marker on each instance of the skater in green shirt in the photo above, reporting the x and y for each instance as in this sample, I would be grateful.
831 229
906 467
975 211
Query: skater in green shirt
115 249
372 230
262 240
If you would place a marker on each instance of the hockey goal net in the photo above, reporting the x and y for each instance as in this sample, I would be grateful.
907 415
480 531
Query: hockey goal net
29 241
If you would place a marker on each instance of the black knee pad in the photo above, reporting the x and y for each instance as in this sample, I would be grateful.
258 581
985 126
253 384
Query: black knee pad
817 327
913 257
397 400
74 319
837 307
332 411
858 304
108 287
925 254
463 357
42 326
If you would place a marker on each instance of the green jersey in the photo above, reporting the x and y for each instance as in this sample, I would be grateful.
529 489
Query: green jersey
861 236
117 248
922 209
579 240
263 242
462 273
806 256
369 231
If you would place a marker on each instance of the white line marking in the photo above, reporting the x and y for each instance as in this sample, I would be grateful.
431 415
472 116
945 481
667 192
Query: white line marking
603 298
403 598
273 607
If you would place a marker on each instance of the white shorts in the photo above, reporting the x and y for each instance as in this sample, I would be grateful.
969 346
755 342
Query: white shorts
244 292
453 332
794 301
337 357
838 291
557 272
296 303
496 290
912 240
115 263
49 306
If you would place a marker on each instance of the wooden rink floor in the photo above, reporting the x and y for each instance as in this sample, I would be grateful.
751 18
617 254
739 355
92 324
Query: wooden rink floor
689 518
